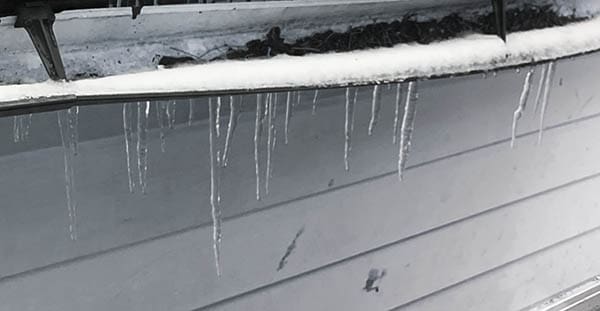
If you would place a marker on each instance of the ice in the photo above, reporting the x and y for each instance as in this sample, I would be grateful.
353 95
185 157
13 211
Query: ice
314 102
234 109
407 127
348 126
171 108
214 184
547 85
522 104
218 116
163 123
190 112
288 115
67 136
540 89
257 139
375 107
270 137
21 125
128 114
143 110
397 111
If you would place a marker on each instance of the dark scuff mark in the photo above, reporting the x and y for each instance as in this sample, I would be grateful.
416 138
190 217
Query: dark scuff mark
373 280
289 250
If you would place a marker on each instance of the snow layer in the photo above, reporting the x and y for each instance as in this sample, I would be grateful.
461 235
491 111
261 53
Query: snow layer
405 61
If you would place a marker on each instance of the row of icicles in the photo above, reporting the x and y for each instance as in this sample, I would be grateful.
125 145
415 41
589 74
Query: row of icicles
136 121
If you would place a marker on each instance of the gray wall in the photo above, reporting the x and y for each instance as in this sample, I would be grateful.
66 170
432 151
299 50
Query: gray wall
475 225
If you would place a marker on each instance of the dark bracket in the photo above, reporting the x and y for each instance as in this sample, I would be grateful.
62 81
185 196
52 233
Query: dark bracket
500 18
37 18
136 8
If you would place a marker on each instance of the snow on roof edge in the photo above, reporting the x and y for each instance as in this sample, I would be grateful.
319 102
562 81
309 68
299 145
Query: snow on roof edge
401 62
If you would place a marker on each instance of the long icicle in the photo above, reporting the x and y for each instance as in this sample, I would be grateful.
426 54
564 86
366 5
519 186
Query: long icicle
547 85
214 184
69 153
407 127
349 109
522 104
314 102
270 127
128 133
540 89
233 119
288 115
397 112
257 138
218 116
375 107
143 109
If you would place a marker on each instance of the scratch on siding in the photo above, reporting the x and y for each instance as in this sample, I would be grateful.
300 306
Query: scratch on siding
289 250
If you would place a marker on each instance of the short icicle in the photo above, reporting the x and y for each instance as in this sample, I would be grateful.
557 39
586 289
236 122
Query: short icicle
257 139
214 185
190 112
171 109
522 104
69 153
21 125
314 102
540 88
547 85
375 107
407 127
143 110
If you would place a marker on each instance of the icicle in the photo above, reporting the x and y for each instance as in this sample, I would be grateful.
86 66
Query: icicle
257 138
214 185
288 115
314 102
143 109
128 133
406 130
233 119
171 107
163 123
270 128
547 85
218 119
397 111
298 98
73 114
375 107
190 112
21 125
521 107
348 129
354 105
540 89
66 136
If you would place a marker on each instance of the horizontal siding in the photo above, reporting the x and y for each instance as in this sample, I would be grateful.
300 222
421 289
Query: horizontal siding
470 204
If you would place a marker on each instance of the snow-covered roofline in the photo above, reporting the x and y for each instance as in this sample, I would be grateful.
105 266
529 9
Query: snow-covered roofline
402 62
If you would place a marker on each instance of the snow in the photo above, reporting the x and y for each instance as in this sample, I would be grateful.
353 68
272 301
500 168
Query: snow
470 53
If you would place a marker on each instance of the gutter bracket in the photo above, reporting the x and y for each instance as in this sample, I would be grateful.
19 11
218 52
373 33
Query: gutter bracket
500 18
38 18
